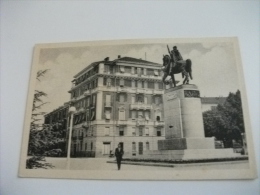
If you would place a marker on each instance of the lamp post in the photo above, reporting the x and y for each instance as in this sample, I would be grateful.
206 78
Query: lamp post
71 112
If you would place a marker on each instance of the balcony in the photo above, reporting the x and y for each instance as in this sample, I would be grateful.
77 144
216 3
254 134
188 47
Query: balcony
140 123
85 125
121 123
158 91
121 90
158 123
87 92
108 104
140 90
140 106
73 100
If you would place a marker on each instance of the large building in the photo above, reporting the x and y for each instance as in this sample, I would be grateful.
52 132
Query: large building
117 101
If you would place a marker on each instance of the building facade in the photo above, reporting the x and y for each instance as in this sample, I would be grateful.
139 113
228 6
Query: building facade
210 103
117 101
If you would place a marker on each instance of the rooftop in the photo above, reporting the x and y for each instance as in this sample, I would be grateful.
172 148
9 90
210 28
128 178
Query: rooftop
130 59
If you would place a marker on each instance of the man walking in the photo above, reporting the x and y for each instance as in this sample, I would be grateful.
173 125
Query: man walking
119 154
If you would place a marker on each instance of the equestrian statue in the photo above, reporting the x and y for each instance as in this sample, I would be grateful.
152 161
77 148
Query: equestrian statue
174 64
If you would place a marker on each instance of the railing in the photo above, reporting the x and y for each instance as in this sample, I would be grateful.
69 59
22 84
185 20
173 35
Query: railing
158 91
140 106
140 122
108 104
121 89
123 123
158 123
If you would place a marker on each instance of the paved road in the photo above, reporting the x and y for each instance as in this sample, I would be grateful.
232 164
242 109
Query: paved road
101 164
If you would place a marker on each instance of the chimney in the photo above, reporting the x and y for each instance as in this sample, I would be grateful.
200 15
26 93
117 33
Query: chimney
106 59
119 56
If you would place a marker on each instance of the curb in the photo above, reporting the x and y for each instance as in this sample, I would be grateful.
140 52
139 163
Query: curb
180 165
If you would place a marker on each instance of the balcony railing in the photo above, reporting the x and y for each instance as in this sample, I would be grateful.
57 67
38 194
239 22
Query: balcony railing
108 104
140 106
158 91
140 122
158 123
121 123
121 89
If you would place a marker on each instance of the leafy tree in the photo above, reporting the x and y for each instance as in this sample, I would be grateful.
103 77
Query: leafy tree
226 121
43 140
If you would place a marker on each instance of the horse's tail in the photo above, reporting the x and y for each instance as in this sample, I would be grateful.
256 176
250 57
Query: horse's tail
188 67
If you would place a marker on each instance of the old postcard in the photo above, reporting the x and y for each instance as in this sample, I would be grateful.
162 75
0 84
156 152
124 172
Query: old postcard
158 109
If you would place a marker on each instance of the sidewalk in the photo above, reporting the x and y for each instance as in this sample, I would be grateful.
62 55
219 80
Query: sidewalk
110 164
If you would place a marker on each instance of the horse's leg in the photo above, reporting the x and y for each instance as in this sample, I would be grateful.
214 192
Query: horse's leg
186 80
173 80
164 77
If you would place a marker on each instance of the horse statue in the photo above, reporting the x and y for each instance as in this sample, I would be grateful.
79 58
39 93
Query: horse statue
183 67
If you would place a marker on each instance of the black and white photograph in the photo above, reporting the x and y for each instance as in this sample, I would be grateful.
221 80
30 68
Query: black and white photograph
147 109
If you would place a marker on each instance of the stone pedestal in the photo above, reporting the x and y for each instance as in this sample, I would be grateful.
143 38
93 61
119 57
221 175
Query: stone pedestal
183 120
184 130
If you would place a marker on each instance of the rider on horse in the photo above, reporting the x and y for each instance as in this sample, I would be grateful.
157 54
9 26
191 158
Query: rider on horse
176 58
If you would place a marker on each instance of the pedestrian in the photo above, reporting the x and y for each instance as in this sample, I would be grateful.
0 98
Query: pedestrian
119 154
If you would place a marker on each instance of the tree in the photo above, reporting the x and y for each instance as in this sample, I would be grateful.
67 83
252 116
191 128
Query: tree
43 141
226 121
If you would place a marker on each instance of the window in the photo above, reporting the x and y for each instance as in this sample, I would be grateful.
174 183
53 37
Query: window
140 98
108 82
121 82
158 132
128 69
133 146
91 146
107 114
139 71
146 130
150 85
140 131
121 131
133 99
156 85
133 131
157 100
86 146
139 84
160 85
147 146
147 115
122 69
107 130
140 114
144 71
128 83
133 83
121 114
158 118
156 73
145 99
133 114
122 97
132 70
108 100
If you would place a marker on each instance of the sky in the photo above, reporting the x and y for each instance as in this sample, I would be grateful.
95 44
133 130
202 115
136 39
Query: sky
213 66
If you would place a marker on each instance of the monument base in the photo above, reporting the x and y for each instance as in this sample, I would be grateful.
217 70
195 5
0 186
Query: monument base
186 143
190 154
